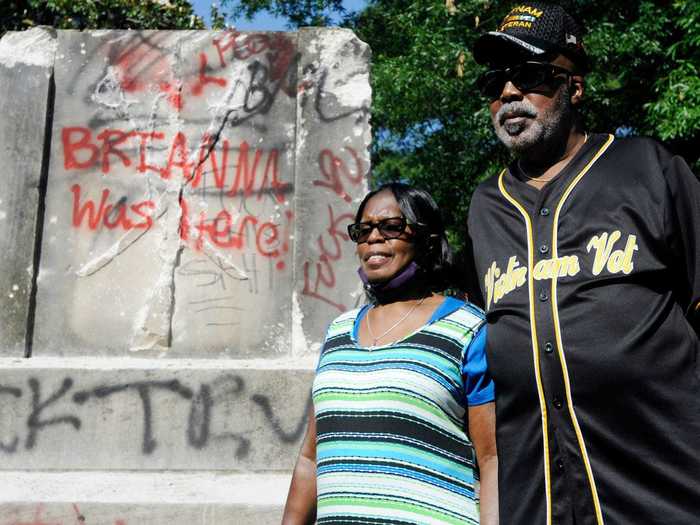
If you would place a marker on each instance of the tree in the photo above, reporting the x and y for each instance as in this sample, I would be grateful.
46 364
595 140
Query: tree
96 14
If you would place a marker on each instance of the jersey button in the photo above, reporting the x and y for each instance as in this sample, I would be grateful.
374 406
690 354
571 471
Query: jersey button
557 403
544 249
543 296
560 465
544 212
548 347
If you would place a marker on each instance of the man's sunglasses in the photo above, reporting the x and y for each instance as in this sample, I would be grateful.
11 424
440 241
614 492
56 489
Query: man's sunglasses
525 77
389 228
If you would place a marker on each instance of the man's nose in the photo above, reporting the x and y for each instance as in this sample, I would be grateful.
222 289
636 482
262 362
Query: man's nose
510 92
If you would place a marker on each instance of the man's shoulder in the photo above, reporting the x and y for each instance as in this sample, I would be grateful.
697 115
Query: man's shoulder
641 149
486 187
647 161
490 181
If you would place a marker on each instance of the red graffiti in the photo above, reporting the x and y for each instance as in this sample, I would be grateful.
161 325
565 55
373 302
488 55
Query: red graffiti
141 64
319 275
110 214
335 172
144 64
204 78
38 520
256 170
323 267
246 181
226 230
80 152
278 49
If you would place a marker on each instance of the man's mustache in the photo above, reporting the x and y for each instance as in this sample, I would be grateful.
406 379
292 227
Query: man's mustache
518 108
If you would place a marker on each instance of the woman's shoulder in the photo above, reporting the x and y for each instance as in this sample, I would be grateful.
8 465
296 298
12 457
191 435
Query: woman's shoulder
462 310
457 321
345 321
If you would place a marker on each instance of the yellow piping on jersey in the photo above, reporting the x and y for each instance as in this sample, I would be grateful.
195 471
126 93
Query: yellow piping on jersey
535 346
557 332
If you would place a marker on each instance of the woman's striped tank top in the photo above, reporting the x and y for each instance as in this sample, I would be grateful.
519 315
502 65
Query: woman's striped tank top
391 440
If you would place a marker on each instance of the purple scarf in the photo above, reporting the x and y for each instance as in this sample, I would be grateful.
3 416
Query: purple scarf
383 291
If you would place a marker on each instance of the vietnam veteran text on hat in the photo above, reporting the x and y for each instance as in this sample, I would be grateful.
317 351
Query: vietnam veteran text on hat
533 31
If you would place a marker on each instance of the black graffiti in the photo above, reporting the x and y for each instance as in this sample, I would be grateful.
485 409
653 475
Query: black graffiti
286 437
143 388
325 103
199 419
16 392
34 421
259 95
210 403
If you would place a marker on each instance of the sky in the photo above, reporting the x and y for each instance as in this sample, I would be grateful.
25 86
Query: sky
262 22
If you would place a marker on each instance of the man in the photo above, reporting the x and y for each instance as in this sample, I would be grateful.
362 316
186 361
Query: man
587 249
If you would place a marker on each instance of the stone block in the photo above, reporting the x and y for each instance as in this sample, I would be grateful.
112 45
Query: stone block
169 207
332 164
72 498
139 414
25 81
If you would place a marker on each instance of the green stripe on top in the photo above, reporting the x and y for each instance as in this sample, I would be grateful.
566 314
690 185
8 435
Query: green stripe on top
374 398
391 505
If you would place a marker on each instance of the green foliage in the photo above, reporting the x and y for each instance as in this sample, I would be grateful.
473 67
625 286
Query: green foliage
217 17
675 111
299 12
96 14
646 56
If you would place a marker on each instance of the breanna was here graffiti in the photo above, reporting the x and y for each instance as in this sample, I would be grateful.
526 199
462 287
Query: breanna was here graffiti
211 163
256 174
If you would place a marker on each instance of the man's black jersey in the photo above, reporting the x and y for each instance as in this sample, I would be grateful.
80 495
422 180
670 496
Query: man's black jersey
591 287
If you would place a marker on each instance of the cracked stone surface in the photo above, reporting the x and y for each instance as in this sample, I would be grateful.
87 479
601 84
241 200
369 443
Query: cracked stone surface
332 144
25 73
198 191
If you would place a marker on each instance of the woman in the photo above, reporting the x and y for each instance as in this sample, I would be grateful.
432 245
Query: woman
398 384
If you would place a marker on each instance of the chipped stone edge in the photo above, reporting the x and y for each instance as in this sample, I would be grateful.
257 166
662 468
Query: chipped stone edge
34 47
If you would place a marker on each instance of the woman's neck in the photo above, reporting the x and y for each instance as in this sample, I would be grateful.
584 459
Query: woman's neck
415 292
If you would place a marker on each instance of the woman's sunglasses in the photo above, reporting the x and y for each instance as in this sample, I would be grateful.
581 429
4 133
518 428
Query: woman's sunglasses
389 228
525 77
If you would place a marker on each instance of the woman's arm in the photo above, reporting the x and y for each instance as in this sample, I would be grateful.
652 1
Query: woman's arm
301 500
482 431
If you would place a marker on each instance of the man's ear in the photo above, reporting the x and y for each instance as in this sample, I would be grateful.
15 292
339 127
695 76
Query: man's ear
578 87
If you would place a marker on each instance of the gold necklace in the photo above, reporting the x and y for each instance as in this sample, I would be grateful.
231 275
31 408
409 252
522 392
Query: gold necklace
397 323
537 179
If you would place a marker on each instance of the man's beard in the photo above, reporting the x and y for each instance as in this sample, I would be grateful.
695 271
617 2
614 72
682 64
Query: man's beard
551 127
